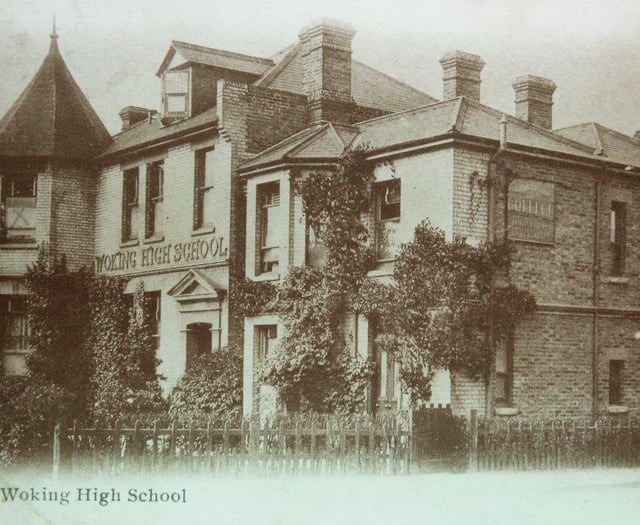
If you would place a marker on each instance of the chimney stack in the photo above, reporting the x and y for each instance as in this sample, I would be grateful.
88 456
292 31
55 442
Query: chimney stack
326 69
131 115
534 100
461 75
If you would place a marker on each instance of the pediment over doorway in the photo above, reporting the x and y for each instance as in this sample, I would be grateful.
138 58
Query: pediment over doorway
196 285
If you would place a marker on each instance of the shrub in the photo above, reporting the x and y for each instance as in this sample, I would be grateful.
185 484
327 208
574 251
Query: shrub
29 410
210 389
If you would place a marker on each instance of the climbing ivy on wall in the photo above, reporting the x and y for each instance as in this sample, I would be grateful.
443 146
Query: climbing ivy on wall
448 304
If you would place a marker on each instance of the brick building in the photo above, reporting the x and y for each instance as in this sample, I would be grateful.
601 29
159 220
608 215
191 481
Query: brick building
48 143
188 198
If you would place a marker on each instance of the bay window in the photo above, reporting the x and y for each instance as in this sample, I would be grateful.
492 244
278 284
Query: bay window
269 227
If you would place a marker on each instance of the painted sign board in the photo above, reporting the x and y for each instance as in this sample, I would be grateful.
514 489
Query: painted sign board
531 207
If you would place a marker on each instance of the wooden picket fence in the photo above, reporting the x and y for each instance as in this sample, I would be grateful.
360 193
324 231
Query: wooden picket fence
288 446
518 444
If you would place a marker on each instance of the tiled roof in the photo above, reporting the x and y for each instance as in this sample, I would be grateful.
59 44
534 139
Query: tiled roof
325 140
459 116
466 117
149 132
369 87
605 141
215 57
52 117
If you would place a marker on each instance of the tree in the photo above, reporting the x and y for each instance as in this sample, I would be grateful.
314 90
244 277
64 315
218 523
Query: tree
59 314
449 304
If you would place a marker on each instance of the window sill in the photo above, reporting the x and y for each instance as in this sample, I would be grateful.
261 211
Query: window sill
28 245
267 277
129 244
506 411
154 239
205 230
617 409
380 272
616 280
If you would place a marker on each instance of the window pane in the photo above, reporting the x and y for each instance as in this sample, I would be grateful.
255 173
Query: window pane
615 381
387 239
317 254
23 187
176 103
271 228
266 339
176 81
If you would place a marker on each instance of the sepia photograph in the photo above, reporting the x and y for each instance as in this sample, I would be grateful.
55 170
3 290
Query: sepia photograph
300 262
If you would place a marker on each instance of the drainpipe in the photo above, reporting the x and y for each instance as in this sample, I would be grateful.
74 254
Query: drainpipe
596 300
491 235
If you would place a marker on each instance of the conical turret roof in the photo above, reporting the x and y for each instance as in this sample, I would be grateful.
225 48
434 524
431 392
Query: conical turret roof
52 117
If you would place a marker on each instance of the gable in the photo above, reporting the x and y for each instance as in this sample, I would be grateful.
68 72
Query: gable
195 285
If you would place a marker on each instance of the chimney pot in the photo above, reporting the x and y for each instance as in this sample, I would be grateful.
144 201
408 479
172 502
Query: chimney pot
131 115
534 100
461 75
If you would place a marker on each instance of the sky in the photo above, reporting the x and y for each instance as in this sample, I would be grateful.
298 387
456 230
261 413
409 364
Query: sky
589 48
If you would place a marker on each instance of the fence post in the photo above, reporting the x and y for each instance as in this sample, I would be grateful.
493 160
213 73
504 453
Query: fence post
56 451
154 446
410 451
473 441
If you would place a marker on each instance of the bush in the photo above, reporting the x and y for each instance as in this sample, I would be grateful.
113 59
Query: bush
210 389
29 410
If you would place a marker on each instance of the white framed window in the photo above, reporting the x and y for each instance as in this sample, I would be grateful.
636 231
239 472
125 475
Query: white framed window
155 197
15 333
387 219
266 336
176 92
18 207
130 180
269 227
203 189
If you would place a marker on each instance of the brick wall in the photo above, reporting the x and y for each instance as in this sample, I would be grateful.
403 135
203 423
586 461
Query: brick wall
470 200
553 366
72 215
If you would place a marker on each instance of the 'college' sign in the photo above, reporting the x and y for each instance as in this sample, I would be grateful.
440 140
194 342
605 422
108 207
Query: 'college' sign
158 255
531 211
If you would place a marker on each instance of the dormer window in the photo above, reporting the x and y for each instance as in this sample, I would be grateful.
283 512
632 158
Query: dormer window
176 92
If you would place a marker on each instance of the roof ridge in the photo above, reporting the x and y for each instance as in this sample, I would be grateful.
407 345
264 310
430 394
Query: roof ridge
393 79
529 125
598 150
290 139
615 132
397 114
223 52
313 137
273 73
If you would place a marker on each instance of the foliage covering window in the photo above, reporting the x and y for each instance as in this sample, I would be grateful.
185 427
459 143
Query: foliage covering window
210 389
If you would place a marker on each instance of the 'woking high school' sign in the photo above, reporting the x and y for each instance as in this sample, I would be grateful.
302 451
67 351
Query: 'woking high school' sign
164 254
